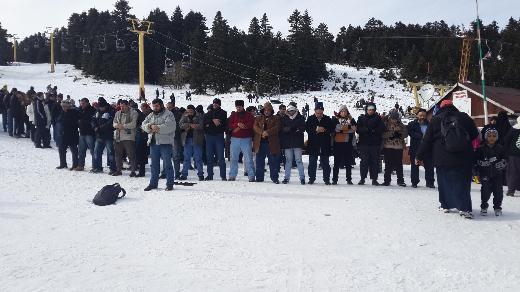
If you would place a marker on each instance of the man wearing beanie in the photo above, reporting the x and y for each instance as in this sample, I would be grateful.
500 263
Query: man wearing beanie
241 124
215 124
267 144
370 129
319 128
449 138
69 134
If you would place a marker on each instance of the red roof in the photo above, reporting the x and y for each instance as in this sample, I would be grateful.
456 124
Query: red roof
507 97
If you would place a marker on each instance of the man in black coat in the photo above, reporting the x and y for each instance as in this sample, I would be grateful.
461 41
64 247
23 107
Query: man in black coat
370 128
319 129
215 124
69 135
87 136
416 131
42 122
292 141
454 166
103 127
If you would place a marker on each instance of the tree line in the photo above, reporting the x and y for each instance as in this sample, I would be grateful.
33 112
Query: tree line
222 58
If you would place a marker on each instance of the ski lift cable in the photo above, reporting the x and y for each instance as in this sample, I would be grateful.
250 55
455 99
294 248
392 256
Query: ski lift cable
229 60
205 63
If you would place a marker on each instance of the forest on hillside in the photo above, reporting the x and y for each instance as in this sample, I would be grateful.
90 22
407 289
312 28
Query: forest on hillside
186 48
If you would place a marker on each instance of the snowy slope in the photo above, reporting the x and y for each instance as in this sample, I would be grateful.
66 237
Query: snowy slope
71 82
235 236
238 236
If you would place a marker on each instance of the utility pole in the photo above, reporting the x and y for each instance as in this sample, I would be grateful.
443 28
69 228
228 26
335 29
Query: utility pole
141 28
50 31
15 47
482 75
53 65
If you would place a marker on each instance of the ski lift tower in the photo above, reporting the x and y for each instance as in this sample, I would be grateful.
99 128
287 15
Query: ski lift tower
15 46
141 28
50 31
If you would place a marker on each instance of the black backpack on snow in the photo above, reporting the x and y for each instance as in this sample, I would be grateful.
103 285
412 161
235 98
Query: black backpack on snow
108 195
454 136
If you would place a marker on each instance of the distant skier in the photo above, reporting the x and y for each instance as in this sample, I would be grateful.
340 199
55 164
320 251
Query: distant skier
157 93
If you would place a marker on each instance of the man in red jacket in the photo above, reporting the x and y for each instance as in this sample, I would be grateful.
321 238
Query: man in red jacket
241 127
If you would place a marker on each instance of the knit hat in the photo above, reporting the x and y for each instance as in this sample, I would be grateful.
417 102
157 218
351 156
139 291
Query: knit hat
66 104
239 102
291 108
217 101
446 102
103 103
319 106
342 108
101 99
394 115
517 126
491 131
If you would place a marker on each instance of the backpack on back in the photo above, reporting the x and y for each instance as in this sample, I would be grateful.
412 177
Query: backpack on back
454 136
108 195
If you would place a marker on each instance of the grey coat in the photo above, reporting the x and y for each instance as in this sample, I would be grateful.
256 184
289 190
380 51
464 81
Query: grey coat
129 121
198 132
166 123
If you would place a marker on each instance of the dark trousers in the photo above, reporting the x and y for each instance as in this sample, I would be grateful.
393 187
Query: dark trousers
141 154
62 149
313 165
370 156
31 130
19 124
10 122
428 168
273 160
128 148
4 120
492 186
42 137
393 161
342 158
215 147
455 187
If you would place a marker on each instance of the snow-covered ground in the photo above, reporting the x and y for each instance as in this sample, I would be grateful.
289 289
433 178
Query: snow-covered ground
239 236
233 236
71 82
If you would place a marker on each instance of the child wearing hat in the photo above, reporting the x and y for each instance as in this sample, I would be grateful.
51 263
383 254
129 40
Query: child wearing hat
491 166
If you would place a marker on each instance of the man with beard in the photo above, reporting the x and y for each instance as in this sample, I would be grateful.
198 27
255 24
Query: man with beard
160 126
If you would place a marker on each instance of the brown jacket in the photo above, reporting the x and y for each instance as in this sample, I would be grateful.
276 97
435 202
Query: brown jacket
273 127
395 135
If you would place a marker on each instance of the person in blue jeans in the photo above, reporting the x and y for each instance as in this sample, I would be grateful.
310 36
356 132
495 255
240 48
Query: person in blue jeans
215 124
241 124
192 136
267 144
292 141
86 133
102 124
160 126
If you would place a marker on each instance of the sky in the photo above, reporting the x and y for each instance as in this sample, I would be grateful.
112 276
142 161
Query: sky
25 17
